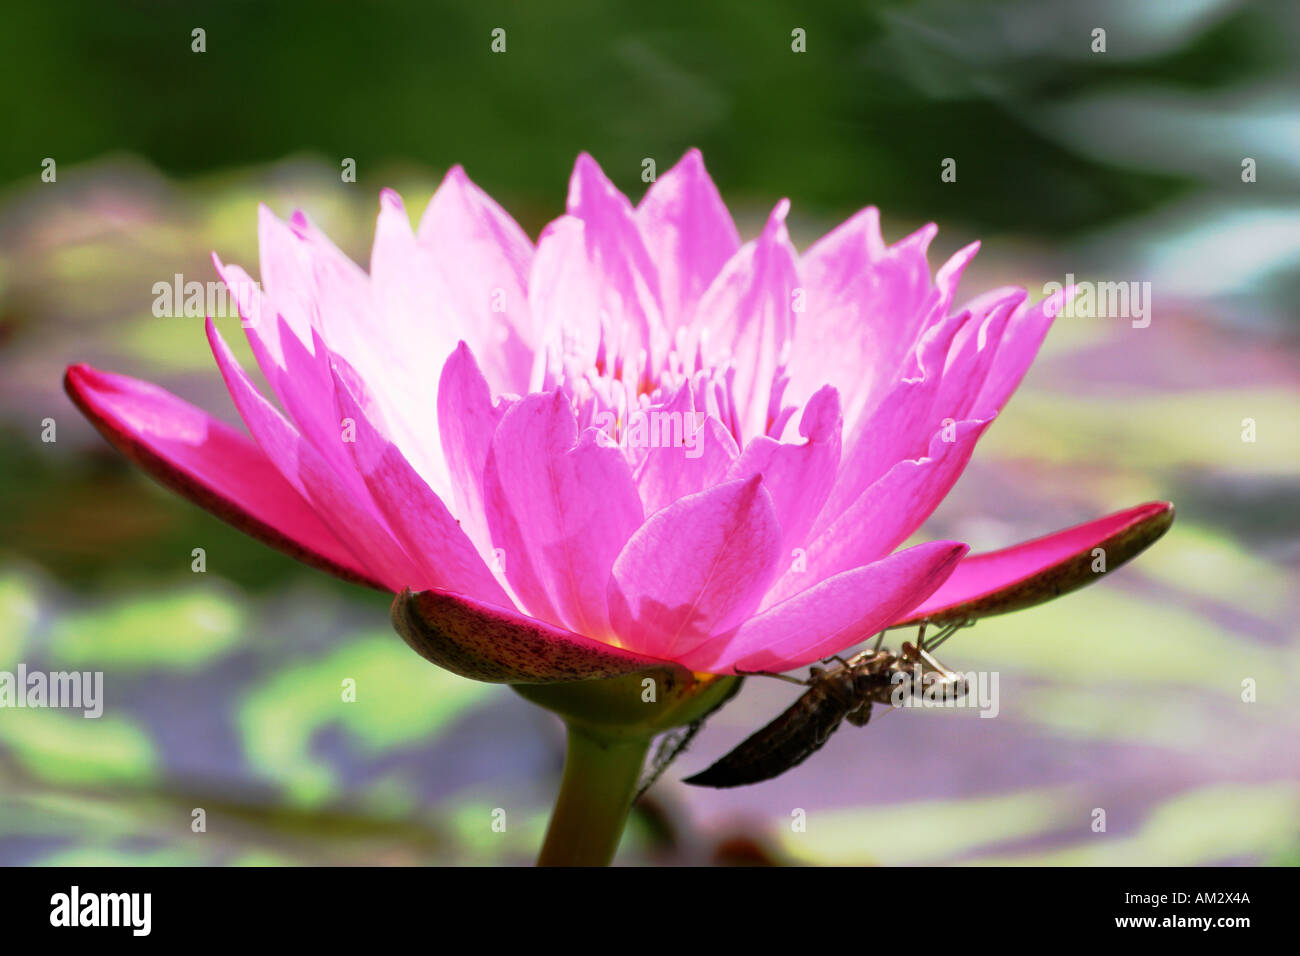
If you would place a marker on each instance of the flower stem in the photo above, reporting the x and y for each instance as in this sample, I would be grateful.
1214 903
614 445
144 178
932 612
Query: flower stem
600 777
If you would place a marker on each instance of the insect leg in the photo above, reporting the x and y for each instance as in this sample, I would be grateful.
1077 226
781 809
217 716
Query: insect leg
946 633
836 657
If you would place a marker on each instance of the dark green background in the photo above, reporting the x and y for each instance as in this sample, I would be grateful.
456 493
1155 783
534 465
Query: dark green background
884 91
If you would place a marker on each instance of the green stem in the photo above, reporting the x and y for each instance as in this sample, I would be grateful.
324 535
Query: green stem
600 778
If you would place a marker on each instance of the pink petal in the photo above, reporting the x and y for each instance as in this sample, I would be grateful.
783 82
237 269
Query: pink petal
314 288
832 615
301 378
689 233
748 312
667 472
408 289
286 267
865 306
799 475
592 273
340 500
488 643
1019 345
884 515
299 375
337 294
483 257
305 388
698 566
1036 571
900 427
467 420
949 275
971 358
419 326
418 518
562 507
567 297
209 463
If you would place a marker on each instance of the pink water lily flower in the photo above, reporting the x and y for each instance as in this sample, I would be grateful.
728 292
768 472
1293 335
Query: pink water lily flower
639 440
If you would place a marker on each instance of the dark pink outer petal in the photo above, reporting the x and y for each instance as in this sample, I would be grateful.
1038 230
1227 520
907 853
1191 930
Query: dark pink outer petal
1036 571
340 499
488 643
209 463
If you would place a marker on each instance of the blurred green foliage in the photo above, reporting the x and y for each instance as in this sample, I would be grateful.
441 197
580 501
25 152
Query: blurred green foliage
883 93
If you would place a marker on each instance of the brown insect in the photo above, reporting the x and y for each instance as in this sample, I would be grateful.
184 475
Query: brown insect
844 692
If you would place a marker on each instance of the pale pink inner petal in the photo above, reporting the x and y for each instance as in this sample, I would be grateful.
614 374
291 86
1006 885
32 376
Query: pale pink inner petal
746 316
567 303
689 233
865 304
311 287
594 289
483 258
